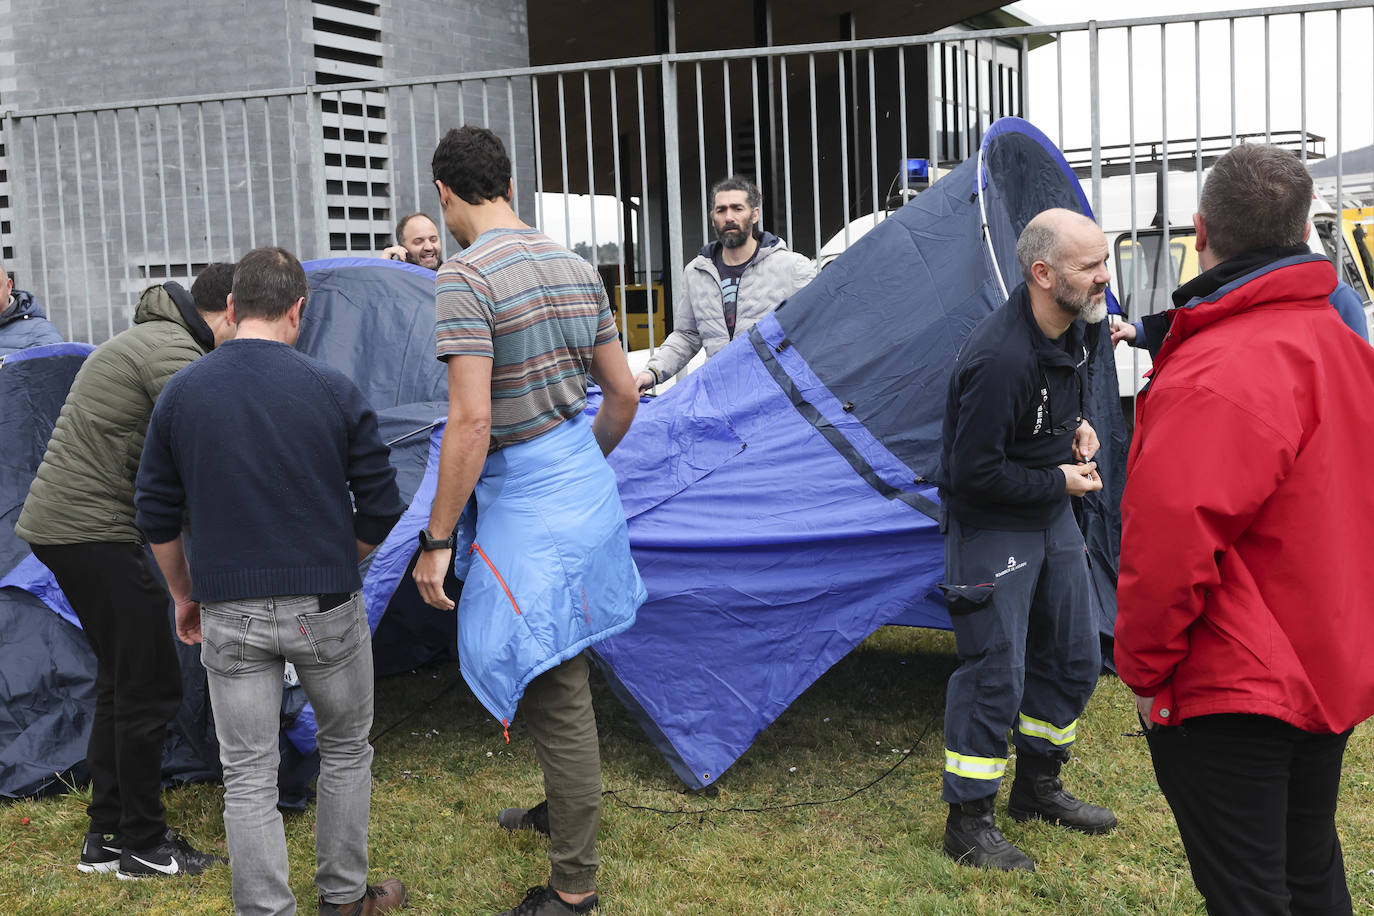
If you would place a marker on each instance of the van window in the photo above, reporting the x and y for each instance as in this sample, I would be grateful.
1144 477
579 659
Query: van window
1348 270
1147 280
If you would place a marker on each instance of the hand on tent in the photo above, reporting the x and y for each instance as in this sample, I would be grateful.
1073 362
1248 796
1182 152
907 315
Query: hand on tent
430 570
188 622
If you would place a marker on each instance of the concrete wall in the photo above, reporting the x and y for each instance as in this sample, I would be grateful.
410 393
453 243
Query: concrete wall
138 196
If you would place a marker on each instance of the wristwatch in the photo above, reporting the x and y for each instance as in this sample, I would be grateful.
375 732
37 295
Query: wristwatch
429 542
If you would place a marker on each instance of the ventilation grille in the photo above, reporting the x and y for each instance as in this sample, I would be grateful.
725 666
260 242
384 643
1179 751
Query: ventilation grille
346 36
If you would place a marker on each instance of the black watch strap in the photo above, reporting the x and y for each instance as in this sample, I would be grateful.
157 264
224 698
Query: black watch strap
429 542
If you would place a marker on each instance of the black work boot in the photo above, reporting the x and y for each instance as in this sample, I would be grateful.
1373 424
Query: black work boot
972 838
1037 792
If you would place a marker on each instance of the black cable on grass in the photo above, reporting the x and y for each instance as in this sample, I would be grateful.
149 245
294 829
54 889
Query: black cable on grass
704 813
423 707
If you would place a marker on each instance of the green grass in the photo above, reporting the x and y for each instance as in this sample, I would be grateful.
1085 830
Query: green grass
441 775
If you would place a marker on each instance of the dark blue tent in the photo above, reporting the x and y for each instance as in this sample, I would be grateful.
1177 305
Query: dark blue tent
371 318
778 497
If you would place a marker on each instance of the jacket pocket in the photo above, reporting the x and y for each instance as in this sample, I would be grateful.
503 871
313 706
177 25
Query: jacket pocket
335 634
965 599
500 581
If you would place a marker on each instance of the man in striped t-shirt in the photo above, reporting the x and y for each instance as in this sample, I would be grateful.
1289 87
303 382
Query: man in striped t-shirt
521 322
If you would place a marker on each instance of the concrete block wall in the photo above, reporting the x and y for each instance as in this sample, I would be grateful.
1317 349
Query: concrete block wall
108 52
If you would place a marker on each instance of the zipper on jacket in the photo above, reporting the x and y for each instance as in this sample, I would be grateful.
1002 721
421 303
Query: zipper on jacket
481 553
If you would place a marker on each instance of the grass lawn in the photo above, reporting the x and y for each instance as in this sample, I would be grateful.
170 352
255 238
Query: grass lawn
827 813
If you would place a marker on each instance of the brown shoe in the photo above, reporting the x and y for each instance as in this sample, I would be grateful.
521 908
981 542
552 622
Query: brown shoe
378 898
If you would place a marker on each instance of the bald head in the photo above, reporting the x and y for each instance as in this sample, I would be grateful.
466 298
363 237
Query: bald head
1063 258
1050 233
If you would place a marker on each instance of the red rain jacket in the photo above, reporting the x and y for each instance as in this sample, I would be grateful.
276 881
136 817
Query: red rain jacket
1246 582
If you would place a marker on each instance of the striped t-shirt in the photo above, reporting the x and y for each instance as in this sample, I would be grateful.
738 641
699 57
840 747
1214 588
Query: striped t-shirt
538 311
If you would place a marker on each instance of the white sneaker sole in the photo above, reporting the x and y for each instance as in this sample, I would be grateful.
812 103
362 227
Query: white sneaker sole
98 868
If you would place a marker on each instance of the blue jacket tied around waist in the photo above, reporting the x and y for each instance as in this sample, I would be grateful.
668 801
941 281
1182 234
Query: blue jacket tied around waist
549 567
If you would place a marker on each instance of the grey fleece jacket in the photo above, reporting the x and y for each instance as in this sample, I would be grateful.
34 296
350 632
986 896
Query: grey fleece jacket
699 318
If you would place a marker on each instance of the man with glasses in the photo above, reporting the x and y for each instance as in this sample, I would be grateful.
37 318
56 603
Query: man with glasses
1016 447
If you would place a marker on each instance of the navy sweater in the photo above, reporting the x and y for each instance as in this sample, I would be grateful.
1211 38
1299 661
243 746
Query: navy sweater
263 445
1014 402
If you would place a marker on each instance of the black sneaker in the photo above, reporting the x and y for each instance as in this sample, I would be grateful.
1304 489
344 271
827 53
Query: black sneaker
544 901
99 854
173 856
536 818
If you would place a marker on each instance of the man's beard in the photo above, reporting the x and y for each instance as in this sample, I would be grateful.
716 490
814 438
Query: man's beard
1080 305
734 238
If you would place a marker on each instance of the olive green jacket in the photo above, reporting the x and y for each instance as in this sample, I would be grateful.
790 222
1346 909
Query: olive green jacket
84 489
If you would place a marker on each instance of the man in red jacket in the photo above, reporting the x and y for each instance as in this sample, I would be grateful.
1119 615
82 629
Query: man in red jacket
1244 621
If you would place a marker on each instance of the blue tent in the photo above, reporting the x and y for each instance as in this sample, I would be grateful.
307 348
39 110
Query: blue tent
371 318
778 499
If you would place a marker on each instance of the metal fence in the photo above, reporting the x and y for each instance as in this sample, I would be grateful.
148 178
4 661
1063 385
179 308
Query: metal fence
618 155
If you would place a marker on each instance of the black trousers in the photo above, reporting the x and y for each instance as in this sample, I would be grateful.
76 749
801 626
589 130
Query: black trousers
1255 802
123 611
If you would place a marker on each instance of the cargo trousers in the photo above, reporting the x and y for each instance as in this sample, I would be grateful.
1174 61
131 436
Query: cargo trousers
1029 655
557 709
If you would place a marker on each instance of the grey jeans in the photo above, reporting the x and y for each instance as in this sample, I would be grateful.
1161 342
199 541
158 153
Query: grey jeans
245 646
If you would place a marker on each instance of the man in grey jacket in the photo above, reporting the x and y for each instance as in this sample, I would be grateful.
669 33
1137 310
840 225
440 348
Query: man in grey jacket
731 284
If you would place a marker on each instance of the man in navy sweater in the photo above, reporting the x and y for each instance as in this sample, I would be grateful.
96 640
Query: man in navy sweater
1016 447
263 447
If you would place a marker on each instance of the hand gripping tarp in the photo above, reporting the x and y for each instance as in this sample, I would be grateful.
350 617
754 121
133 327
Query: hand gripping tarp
777 497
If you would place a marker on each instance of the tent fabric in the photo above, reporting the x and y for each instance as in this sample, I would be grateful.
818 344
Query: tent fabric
364 317
371 318
762 574
779 498
48 679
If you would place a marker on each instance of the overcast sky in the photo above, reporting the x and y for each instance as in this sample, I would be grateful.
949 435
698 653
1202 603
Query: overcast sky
1212 69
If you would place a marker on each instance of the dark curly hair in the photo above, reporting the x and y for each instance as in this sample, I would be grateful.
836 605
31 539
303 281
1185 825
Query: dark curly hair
213 286
473 163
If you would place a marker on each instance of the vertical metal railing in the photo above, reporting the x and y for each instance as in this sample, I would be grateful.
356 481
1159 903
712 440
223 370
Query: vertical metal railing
151 190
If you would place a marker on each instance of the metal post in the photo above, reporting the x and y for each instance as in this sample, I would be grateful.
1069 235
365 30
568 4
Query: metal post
319 198
672 260
26 231
1095 106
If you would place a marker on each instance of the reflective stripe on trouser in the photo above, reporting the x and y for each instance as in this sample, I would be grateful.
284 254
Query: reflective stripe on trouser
1029 652
1037 728
974 767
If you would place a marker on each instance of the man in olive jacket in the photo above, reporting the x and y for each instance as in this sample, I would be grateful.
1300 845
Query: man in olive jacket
79 519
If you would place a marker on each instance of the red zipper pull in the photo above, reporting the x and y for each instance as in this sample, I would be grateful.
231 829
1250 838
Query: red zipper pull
505 727
303 633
